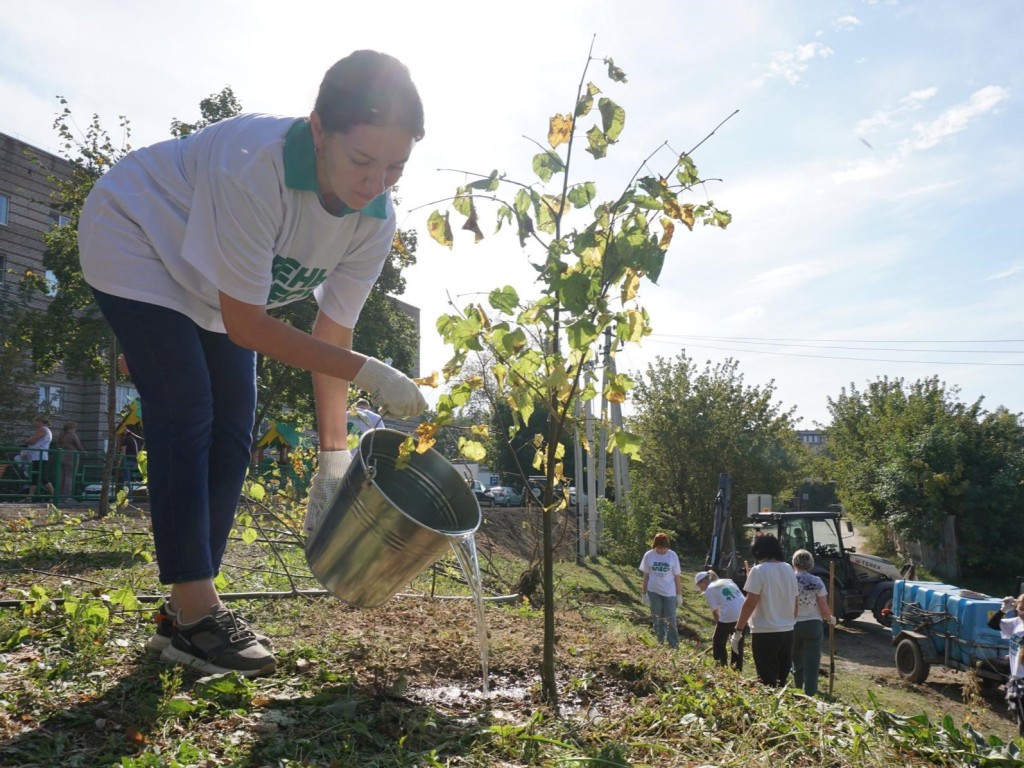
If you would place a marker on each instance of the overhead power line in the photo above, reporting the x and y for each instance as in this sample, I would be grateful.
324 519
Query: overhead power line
827 344
838 357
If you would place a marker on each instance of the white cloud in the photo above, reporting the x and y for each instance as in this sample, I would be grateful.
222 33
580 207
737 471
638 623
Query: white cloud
926 134
846 22
1014 270
887 115
956 118
790 65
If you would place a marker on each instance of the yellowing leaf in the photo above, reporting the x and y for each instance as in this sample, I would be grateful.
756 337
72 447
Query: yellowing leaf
666 237
398 246
630 286
559 130
257 492
439 228
433 380
249 535
481 430
405 451
426 437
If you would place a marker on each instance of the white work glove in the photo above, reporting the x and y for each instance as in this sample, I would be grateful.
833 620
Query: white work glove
396 393
734 642
647 600
832 620
679 600
331 467
1009 603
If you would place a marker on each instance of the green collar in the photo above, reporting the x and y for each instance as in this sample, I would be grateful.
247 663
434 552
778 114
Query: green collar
300 169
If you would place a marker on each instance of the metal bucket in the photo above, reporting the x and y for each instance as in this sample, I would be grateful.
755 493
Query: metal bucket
385 526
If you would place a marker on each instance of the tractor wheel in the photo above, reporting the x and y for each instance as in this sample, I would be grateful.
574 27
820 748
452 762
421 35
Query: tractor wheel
910 661
883 609
849 618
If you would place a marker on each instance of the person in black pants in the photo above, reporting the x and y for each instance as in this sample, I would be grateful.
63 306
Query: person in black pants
770 608
726 601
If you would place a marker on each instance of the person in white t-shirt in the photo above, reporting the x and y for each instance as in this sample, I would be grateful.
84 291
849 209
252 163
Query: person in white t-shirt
1009 622
662 589
362 418
808 632
186 244
38 445
726 601
771 589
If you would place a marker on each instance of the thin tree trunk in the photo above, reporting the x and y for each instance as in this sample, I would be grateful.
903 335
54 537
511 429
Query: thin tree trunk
108 459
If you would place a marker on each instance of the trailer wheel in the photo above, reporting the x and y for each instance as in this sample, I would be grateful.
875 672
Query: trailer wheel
883 609
910 661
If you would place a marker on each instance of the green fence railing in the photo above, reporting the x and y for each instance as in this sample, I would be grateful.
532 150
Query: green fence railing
77 477
66 476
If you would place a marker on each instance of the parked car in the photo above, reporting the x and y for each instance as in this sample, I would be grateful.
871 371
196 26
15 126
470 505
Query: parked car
483 495
506 497
136 491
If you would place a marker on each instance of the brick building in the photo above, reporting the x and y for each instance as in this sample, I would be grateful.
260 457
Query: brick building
28 210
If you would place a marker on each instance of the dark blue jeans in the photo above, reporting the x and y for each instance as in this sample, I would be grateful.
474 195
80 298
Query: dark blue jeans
198 394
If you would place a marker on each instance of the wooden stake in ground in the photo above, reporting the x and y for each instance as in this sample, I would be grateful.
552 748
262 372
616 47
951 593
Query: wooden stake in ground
832 626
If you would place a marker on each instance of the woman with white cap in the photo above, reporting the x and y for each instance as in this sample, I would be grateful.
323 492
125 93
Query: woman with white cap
726 600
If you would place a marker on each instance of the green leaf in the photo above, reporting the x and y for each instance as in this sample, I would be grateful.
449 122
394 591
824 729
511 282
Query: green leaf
598 143
582 194
472 449
257 492
490 184
614 73
504 299
628 443
613 118
586 102
687 173
439 228
249 535
582 334
576 291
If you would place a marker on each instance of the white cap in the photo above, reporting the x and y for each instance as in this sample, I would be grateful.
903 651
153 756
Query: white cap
700 577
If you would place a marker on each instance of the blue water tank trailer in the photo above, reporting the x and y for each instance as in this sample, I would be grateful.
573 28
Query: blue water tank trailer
936 623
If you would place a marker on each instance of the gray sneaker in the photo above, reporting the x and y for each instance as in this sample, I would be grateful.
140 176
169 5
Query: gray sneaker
218 643
165 618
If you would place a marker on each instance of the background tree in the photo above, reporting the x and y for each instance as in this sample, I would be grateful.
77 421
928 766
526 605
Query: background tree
591 259
695 424
906 456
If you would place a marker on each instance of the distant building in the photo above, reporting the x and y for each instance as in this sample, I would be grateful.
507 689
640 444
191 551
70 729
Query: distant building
27 211
814 439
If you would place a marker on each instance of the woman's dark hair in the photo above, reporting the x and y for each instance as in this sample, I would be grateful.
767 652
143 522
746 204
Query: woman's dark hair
766 547
369 88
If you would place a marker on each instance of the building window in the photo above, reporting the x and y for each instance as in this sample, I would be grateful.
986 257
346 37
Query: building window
59 219
51 398
5 206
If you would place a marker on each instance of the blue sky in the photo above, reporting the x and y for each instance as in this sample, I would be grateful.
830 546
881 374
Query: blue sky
875 170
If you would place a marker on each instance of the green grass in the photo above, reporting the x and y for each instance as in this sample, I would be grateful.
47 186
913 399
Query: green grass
398 685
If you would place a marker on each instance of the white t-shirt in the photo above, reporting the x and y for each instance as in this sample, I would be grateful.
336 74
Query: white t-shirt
724 596
1013 630
363 421
41 444
775 582
662 570
235 208
810 587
